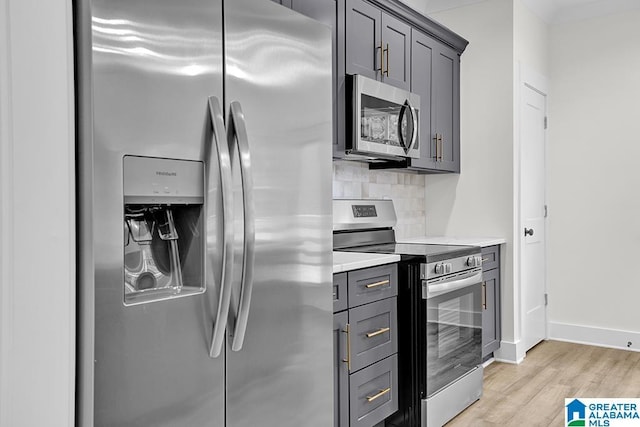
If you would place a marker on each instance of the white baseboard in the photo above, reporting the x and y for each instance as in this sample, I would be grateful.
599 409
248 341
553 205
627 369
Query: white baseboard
600 337
510 352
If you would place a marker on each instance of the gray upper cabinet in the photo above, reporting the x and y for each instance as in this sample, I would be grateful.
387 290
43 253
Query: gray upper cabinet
396 40
378 45
388 41
364 39
445 116
422 53
435 76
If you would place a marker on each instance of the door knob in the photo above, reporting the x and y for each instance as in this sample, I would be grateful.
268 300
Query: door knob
528 231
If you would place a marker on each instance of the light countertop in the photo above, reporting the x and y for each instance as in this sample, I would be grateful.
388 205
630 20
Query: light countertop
455 240
347 261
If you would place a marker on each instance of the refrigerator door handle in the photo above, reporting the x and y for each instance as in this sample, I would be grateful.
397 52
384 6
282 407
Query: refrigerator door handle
237 130
226 184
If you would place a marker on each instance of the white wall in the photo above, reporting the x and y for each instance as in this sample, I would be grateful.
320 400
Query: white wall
530 39
37 224
594 151
479 201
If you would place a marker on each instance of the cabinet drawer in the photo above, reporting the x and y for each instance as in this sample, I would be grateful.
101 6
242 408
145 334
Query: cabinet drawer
373 393
374 332
372 284
490 257
339 292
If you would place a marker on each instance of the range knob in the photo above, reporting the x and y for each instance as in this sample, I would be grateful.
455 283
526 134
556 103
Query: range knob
448 267
439 268
472 261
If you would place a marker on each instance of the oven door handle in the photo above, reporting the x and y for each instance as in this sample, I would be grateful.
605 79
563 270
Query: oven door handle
430 291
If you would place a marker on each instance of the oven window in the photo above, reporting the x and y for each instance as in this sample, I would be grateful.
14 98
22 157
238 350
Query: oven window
454 336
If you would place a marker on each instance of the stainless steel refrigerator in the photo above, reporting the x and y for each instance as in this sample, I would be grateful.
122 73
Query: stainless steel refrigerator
204 197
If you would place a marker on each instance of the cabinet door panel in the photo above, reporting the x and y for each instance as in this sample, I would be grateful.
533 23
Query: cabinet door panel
422 48
491 332
396 35
446 121
340 372
363 39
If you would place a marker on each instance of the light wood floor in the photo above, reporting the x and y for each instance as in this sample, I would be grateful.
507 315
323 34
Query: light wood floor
533 392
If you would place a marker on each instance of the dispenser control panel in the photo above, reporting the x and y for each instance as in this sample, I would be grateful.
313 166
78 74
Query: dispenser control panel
155 180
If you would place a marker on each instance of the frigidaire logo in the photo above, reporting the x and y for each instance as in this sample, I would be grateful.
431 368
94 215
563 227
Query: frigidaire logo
163 173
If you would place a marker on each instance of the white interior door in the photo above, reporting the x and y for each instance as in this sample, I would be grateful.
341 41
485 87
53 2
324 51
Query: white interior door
532 232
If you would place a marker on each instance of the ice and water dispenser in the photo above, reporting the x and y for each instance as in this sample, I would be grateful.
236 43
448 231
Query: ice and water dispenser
163 228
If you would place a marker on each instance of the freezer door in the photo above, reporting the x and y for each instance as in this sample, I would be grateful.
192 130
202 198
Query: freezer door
147 69
278 82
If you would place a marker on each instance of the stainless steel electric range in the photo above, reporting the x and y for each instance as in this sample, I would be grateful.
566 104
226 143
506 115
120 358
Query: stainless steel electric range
440 313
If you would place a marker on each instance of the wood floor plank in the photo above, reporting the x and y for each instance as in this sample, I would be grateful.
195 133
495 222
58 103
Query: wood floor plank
533 392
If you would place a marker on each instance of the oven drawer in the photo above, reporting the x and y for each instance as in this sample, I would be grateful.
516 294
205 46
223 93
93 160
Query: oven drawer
490 257
373 393
339 292
372 284
374 332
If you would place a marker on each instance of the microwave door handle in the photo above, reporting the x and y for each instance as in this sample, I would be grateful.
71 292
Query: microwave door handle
414 122
237 131
221 150
403 109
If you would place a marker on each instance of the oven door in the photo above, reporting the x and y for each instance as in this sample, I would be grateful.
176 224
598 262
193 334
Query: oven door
454 330
385 120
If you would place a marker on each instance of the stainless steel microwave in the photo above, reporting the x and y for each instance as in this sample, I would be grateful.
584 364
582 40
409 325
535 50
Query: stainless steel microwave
385 120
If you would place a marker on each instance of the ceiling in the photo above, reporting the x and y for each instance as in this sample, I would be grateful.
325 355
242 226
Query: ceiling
551 11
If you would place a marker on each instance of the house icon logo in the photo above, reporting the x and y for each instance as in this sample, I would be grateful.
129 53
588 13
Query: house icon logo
576 413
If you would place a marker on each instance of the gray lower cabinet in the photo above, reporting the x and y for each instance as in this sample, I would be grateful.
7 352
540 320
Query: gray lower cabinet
365 332
340 370
372 394
491 325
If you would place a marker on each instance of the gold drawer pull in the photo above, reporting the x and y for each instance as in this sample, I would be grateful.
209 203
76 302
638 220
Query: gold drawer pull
378 332
347 331
376 284
485 259
375 396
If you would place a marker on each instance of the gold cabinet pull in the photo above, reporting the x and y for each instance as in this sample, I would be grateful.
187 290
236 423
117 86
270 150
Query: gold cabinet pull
347 331
376 284
387 52
439 135
381 69
378 332
484 295
377 395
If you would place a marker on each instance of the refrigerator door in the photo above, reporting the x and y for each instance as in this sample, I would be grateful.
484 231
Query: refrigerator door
147 69
278 70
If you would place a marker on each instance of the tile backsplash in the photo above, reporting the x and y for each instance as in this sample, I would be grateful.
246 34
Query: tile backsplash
353 180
